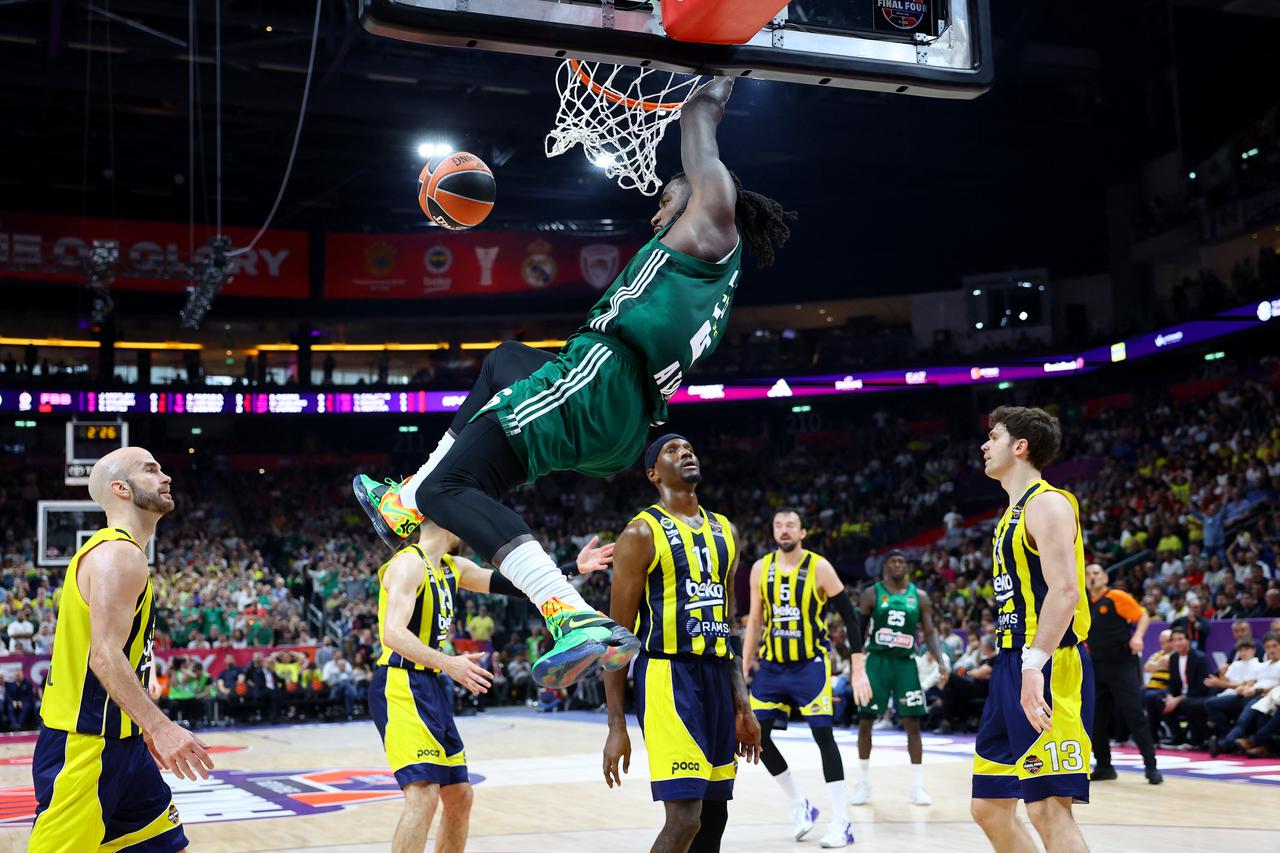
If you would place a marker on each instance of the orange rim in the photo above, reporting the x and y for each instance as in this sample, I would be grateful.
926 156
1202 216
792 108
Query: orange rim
615 97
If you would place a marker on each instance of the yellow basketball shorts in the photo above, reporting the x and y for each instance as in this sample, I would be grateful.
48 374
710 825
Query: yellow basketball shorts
779 687
1011 759
685 710
413 710
93 793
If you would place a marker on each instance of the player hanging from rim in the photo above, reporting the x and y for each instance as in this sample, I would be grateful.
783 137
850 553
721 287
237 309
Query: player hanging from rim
894 606
411 705
789 588
673 578
1033 742
588 408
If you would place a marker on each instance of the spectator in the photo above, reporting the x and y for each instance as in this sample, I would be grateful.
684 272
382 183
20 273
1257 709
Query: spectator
44 639
1256 730
1188 671
286 667
338 674
223 698
1192 625
520 674
1240 630
19 700
1236 686
480 625
21 632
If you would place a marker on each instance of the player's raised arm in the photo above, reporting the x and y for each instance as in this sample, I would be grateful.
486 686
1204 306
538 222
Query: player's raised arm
713 196
402 580
631 561
115 574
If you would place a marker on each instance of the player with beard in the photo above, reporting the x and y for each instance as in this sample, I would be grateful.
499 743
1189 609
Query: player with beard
673 579
894 607
102 741
789 588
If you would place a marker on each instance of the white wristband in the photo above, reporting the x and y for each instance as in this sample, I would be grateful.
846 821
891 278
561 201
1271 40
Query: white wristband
1033 658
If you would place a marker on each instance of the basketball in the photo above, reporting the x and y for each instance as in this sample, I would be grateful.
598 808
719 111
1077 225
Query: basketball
456 190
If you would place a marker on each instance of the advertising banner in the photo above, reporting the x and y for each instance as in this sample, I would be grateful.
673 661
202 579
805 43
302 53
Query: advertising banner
154 256
474 263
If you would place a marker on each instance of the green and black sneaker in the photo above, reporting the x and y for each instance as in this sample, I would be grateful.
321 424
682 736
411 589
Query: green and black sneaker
392 520
586 641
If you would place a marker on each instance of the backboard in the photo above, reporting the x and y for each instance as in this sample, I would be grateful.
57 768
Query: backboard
63 526
928 48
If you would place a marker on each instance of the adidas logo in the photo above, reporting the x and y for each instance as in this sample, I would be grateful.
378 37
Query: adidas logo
780 389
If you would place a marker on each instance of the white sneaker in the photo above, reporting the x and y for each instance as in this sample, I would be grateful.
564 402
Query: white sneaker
861 792
919 797
802 819
839 834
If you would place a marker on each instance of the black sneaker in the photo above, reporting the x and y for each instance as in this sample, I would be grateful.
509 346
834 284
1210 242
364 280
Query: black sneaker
1103 773
1154 777
1213 746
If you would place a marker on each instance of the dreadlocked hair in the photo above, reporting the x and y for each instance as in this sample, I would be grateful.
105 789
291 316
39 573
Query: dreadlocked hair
762 220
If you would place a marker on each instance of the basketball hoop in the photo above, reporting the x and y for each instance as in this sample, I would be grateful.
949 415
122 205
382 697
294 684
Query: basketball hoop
617 120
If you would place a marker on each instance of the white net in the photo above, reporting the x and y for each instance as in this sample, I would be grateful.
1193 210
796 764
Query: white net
618 114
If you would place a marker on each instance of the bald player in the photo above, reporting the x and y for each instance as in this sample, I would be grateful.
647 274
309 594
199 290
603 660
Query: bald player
102 741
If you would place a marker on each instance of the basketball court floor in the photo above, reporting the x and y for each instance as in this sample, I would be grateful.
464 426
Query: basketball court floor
539 789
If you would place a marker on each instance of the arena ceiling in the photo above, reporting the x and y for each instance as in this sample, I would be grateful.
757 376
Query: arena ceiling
95 105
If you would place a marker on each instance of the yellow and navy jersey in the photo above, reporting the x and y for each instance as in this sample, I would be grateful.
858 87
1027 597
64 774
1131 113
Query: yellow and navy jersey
1019 580
432 607
685 607
74 699
793 629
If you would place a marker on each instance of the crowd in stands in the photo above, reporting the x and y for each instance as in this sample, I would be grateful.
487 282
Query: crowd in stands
1178 500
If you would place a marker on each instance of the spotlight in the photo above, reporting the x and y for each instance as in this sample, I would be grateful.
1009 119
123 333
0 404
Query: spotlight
604 161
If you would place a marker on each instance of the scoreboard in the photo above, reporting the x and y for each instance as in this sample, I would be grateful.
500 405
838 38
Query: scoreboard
89 441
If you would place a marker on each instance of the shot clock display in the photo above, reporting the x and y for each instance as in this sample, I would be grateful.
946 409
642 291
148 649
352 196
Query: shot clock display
89 441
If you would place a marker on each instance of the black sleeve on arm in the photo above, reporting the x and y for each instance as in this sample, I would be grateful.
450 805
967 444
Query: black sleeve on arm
500 585
843 605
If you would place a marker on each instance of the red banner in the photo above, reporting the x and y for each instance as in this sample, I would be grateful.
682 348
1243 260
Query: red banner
154 256
34 667
472 263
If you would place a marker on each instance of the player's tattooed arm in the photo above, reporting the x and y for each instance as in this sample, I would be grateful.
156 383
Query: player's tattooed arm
631 560
931 640
755 616
746 726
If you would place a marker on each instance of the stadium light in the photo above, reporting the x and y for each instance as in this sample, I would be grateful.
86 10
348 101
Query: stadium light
604 161
427 150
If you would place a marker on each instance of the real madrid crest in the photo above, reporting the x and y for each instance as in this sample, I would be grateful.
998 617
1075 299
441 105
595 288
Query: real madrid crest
539 268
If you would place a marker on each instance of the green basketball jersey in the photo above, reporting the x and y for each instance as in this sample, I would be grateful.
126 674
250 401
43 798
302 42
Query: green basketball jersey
670 307
893 621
